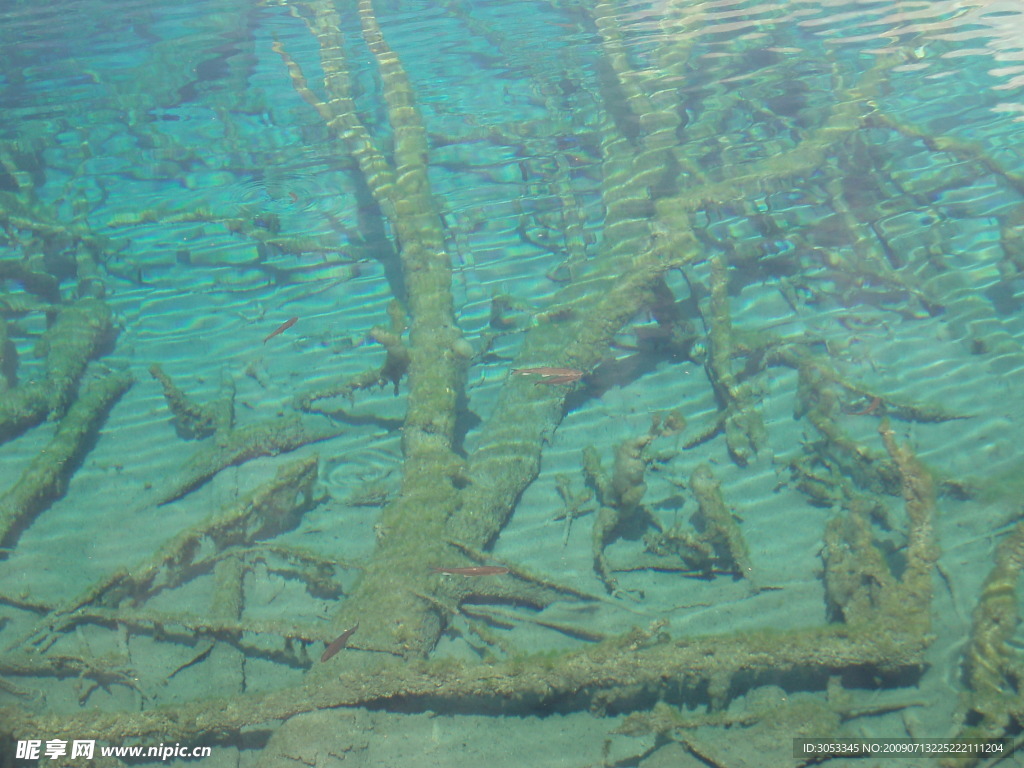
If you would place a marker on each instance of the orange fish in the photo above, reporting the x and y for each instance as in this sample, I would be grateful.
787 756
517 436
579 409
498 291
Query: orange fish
338 644
550 375
870 408
282 328
473 570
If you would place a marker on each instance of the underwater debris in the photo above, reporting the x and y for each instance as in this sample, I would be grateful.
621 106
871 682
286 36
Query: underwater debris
267 511
573 504
239 445
993 702
751 726
394 369
738 416
503 307
717 525
193 421
641 660
76 336
716 543
230 445
857 578
396 362
46 477
618 497
860 583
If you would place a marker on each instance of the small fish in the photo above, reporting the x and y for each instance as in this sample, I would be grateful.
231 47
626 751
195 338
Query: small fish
338 644
550 375
473 570
869 409
576 159
282 328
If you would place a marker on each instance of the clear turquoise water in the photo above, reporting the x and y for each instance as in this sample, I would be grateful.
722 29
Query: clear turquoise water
854 172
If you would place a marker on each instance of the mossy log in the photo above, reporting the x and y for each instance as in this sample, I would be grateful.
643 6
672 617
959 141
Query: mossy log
618 497
46 478
76 336
744 428
994 669
600 674
236 446
918 490
192 420
412 525
718 526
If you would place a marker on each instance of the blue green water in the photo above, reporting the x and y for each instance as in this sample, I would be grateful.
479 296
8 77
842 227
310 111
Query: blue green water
773 253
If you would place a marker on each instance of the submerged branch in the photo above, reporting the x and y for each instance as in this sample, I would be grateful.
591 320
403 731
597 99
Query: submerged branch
619 667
